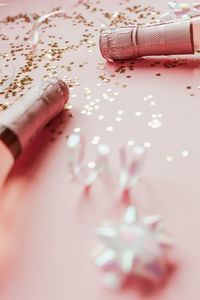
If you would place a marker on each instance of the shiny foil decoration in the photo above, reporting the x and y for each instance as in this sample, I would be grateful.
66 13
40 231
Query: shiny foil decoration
136 246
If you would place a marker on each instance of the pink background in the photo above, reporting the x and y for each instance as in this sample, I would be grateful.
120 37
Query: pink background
59 219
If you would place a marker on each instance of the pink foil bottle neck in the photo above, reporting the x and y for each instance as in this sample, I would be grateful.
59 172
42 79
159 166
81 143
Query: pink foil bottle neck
156 39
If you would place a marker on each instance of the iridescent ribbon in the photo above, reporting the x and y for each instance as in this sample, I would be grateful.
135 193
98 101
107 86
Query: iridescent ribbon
181 10
131 159
131 168
35 30
34 38
75 155
102 166
75 160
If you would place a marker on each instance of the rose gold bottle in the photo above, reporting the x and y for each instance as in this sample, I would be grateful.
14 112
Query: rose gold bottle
22 121
166 38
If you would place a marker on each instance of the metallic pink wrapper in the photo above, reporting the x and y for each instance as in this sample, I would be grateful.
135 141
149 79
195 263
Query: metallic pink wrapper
155 39
40 105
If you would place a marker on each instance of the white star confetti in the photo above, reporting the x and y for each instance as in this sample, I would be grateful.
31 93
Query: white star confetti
110 128
155 123
138 113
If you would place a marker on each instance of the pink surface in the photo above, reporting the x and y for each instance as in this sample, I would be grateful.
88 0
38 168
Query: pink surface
59 219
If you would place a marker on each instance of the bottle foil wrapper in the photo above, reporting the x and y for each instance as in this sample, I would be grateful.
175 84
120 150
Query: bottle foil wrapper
172 37
37 107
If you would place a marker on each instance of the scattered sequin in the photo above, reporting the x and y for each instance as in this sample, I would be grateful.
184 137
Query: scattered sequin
155 123
147 145
118 119
101 117
110 128
169 158
91 165
77 130
120 112
95 140
130 143
185 153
